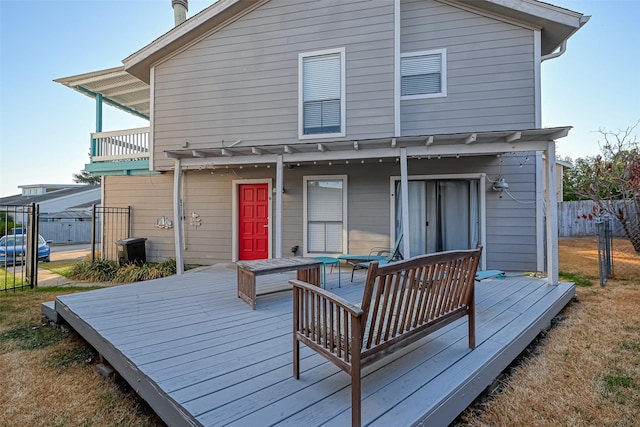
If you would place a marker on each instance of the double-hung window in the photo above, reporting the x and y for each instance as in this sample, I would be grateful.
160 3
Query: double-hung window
325 214
423 74
322 93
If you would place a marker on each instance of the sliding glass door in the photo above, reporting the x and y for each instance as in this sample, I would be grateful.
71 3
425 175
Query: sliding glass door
443 215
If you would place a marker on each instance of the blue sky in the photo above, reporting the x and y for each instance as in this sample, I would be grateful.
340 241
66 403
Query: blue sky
45 127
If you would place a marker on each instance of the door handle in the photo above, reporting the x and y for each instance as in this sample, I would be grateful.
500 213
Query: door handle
266 226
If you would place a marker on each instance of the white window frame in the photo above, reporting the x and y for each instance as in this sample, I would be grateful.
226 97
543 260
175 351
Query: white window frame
301 56
305 215
443 73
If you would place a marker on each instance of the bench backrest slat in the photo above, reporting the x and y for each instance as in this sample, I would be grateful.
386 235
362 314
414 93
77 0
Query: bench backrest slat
404 296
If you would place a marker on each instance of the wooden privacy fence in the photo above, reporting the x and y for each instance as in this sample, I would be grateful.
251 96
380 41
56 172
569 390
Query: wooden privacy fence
578 219
66 231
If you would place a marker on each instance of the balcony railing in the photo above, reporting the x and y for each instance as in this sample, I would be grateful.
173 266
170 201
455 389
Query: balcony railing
121 145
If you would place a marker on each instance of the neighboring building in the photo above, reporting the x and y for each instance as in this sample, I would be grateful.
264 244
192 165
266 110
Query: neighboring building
65 209
276 124
561 165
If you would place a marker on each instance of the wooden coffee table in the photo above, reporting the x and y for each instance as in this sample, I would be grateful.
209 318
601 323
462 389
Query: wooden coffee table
308 270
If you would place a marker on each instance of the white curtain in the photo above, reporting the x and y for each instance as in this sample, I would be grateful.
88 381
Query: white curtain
454 214
417 216
443 215
474 218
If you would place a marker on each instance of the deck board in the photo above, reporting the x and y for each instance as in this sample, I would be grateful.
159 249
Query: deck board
200 356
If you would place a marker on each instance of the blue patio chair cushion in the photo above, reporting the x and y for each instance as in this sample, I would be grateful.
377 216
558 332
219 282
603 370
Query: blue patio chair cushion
486 274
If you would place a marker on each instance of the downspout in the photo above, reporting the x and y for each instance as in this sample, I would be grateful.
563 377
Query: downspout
563 46
559 52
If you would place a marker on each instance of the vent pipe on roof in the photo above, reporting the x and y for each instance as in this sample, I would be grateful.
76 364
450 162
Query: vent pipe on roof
180 8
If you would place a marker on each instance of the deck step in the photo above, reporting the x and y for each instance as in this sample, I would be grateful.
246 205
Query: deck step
48 310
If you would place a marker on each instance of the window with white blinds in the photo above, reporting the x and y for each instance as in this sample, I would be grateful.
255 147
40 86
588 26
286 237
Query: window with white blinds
322 93
423 74
325 214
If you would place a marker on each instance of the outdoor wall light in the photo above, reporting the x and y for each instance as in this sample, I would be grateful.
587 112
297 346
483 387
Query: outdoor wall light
500 185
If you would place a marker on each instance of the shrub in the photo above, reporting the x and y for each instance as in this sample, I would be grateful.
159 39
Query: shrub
100 270
104 270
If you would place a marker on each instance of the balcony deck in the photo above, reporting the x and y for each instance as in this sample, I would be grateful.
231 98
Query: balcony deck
200 356
123 152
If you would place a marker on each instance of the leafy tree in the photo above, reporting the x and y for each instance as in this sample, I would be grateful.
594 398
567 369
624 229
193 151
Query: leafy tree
6 223
86 177
576 178
612 180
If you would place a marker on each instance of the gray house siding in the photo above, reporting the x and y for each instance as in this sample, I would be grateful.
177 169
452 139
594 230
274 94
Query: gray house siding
511 224
490 71
150 197
241 83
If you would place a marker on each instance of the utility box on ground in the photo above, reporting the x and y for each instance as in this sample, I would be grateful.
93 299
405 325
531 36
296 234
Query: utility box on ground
131 251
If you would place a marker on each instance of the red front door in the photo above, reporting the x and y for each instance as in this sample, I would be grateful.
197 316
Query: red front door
253 221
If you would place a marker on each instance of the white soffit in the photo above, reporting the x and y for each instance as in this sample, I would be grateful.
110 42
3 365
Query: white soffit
117 87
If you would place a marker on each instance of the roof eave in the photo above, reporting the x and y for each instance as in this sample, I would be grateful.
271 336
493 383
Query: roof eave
557 24
214 17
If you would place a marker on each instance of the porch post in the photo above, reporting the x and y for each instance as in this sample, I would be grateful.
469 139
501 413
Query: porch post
98 112
177 215
404 190
94 145
278 213
552 215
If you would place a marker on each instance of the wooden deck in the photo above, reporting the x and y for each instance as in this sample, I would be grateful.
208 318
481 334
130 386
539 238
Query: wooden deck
200 356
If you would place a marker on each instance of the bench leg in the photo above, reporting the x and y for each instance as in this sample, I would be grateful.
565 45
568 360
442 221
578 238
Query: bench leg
356 419
296 358
472 327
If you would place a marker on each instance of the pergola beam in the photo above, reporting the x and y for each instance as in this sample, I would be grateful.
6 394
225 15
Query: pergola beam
515 136
470 139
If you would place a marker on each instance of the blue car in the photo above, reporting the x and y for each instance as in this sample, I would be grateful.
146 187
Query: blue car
13 248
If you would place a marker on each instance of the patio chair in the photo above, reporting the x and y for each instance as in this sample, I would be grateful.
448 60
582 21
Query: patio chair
362 262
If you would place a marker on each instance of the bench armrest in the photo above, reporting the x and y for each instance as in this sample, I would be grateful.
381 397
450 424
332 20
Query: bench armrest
329 324
329 296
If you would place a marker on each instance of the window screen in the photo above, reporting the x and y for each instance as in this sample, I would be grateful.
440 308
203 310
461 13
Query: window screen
421 75
324 215
322 88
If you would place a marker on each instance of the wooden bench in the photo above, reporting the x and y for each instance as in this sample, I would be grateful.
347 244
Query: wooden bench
308 269
402 302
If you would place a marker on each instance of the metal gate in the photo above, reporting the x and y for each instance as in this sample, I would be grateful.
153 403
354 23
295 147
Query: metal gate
19 247
109 225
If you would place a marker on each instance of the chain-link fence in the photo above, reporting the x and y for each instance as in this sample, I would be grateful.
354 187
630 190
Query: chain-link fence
617 257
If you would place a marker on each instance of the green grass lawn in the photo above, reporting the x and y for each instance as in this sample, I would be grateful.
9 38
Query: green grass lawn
62 268
9 280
